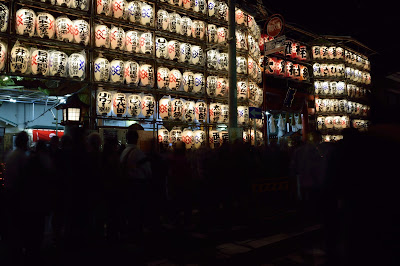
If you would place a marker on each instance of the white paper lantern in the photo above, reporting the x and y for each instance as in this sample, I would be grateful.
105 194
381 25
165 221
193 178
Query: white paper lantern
239 16
222 33
101 69
198 29
188 138
64 29
242 115
40 62
117 38
198 83
146 72
201 111
332 87
345 121
161 48
332 70
117 71
175 79
212 83
119 104
317 70
174 22
25 21
104 7
81 31
131 72
177 109
212 59
163 136
4 15
253 91
251 23
215 112
162 77
148 104
58 63
242 90
173 50
324 70
102 36
175 135
320 122
45 25
184 54
316 52
119 8
222 11
3 55
331 52
164 108
197 56
318 105
146 43
79 4
342 105
162 20
188 81
251 67
339 53
241 65
187 4
189 111
77 65
340 70
213 139
212 8
186 26
132 41
241 40
199 6
252 45
104 102
134 105
224 137
222 87
212 33
199 137
329 122
223 61
224 117
133 11
147 17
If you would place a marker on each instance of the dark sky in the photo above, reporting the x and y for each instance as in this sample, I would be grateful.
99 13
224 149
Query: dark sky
376 24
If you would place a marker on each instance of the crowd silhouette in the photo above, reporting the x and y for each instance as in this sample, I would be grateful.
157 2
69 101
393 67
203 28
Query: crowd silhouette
85 189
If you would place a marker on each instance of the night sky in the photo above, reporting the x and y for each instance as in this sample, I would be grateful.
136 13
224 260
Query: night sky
376 26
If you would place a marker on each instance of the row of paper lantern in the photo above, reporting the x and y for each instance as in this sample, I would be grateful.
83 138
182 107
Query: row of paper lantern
333 52
179 51
36 61
218 9
134 11
76 4
333 122
293 49
340 70
44 25
338 88
285 68
4 16
331 138
343 106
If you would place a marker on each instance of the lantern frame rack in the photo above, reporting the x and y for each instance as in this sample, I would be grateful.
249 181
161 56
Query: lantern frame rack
179 37
122 87
344 79
293 60
351 116
182 11
107 20
172 63
111 53
183 94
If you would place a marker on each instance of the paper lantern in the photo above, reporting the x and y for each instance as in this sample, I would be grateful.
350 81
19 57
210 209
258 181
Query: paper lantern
163 136
173 50
81 31
40 62
104 7
269 66
252 91
199 6
317 70
77 65
251 66
198 83
148 104
212 59
224 117
162 77
175 79
164 108
102 36
64 29
119 104
101 69
134 105
332 70
45 25
259 138
212 33
288 48
162 20
146 43
212 8
79 4
188 81
339 53
278 66
289 71
215 112
223 61
224 137
324 70
146 73
316 52
117 38
325 87
295 51
186 26
131 72
241 65
324 52
222 33
58 63
222 87
147 15
345 121
187 4
211 87
318 105
134 12
201 111
3 55
252 44
342 105
242 115
320 122
258 74
117 71
175 2
241 41
188 138
119 8
239 16
197 56
304 75
199 138
198 29
242 90
177 109
175 135
25 21
335 105
214 139
340 70
302 53
189 111
104 102
329 122
174 22
132 41
4 15
184 53
318 87
333 87
222 11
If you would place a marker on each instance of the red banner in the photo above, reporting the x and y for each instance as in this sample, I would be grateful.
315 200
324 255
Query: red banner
44 134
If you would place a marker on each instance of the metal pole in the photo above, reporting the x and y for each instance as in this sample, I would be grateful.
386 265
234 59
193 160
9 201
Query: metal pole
232 129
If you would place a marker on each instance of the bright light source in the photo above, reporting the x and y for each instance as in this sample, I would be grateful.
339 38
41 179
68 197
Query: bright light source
62 100
5 78
13 100
267 113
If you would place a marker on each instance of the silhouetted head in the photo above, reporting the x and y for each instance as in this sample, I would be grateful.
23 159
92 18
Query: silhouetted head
179 147
132 136
41 146
94 141
21 140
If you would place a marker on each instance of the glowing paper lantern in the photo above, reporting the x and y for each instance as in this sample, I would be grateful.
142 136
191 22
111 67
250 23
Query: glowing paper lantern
161 48
162 20
184 54
175 135
269 66
187 4
79 4
4 16
239 16
174 22
242 90
224 117
199 6
25 21
333 87
134 105
215 112
243 115
102 35
212 33
329 122
318 87
201 111
223 61
332 52
146 43
40 62
339 53
321 122
222 87
177 109
222 33
189 111
296 71
104 7
3 55
325 87
279 67
117 71
104 102
132 41
295 50
324 52
117 38
241 65
148 104
340 70
81 31
131 72
119 8
163 136
101 69
188 138
304 75
212 59
147 15
289 71
212 10
173 50
58 63
318 103
317 70
211 87
45 25
197 56
76 65
222 11
119 104
214 139
345 121
198 83
188 81
64 29
303 54
332 70
162 77
342 105
198 29
175 78
175 2
224 137
199 137
324 70
164 108
146 73
186 26
241 41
